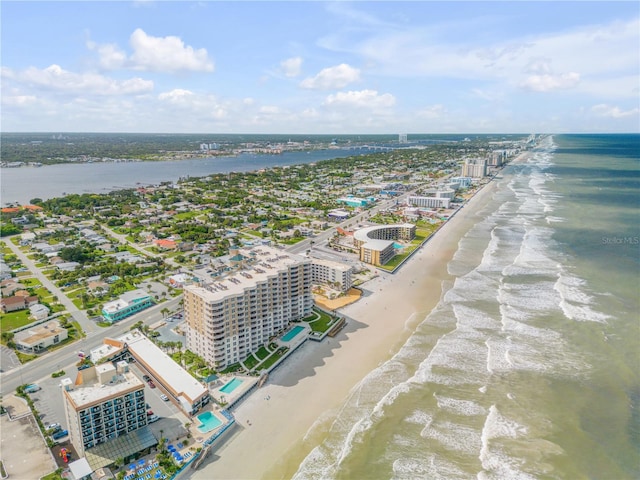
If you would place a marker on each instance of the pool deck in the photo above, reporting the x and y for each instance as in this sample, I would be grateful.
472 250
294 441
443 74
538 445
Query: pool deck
231 398
300 337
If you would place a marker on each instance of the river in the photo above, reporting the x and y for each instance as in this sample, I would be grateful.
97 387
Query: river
50 181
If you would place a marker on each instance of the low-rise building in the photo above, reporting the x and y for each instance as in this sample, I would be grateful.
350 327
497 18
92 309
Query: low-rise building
376 243
184 390
127 305
40 337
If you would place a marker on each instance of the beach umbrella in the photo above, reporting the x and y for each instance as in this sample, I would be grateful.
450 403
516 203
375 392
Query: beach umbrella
141 462
132 466
158 474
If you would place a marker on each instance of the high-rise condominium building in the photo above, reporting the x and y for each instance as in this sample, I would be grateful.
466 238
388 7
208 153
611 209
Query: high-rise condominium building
231 317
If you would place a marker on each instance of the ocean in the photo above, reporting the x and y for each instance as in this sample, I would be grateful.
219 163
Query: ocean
529 366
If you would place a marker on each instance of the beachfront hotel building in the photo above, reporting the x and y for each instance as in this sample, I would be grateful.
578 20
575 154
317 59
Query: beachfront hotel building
429 202
326 271
376 243
474 168
182 389
128 304
231 317
106 413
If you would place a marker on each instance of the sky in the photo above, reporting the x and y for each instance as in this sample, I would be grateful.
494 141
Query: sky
311 67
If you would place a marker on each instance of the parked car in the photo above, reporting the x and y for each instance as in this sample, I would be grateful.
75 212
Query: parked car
151 384
54 427
164 397
60 434
149 413
31 388
146 378
153 418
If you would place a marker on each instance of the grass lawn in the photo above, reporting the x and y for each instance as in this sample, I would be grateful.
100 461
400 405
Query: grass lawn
291 241
24 358
262 353
30 282
13 320
251 362
323 323
185 215
273 358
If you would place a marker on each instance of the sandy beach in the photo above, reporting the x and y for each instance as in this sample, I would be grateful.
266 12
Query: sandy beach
285 419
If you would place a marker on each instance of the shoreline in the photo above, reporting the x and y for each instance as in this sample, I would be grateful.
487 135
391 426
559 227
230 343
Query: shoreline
292 412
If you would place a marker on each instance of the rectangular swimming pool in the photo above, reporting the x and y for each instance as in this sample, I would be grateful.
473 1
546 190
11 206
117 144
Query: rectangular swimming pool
208 422
231 386
290 335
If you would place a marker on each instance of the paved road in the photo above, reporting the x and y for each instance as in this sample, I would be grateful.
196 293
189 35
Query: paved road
87 325
67 357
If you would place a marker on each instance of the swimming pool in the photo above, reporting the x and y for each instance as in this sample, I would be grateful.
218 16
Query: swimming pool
209 422
231 386
292 333
397 246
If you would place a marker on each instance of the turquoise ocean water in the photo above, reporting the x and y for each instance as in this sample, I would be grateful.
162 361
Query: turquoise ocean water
529 367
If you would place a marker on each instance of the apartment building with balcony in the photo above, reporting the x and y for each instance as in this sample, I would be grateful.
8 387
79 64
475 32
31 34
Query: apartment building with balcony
474 168
333 273
105 403
231 317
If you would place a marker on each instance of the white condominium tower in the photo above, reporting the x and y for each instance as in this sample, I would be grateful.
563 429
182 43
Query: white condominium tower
231 317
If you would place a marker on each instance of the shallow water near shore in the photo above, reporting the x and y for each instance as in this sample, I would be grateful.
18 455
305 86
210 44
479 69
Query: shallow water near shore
528 366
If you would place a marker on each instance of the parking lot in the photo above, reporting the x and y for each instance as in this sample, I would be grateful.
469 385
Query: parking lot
49 403
172 420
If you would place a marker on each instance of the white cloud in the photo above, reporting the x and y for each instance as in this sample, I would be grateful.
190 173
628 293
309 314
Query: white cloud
175 95
605 110
332 78
361 99
549 82
18 100
166 54
55 77
157 54
291 67
110 56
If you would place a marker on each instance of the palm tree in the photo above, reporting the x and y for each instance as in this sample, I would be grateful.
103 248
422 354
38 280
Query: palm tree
164 312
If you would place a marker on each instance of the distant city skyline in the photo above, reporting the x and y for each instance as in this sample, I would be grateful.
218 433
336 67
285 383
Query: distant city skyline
320 67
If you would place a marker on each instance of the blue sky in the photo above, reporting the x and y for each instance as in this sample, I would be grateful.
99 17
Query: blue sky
320 67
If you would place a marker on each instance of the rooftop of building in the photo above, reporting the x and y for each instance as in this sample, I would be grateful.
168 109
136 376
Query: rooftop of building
89 389
363 234
377 245
39 333
125 300
332 264
163 367
261 264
